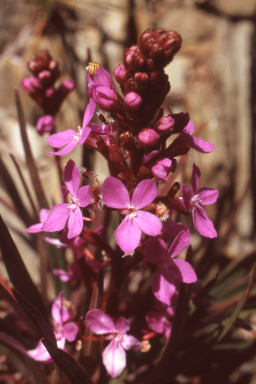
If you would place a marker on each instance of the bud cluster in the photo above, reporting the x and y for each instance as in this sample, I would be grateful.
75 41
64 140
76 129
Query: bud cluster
40 86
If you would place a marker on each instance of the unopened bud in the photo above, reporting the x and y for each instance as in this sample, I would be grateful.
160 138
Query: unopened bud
133 100
105 98
120 74
165 123
45 124
148 137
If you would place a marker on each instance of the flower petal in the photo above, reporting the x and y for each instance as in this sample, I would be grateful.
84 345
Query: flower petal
57 218
60 139
59 311
189 129
163 285
70 331
144 194
114 193
84 134
180 242
35 228
83 196
148 223
75 223
99 323
156 321
129 341
114 358
187 272
155 250
199 145
128 235
72 177
195 180
89 112
208 195
122 325
202 222
68 148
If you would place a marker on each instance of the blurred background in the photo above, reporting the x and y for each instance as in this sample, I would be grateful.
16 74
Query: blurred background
213 77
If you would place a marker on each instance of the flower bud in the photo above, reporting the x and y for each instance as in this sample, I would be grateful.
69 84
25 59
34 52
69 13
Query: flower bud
133 100
165 123
105 98
148 137
45 124
120 74
31 84
162 167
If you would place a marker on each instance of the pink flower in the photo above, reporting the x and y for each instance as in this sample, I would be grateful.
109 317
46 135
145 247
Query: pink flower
74 273
171 272
160 321
148 137
39 227
101 78
70 138
133 100
75 243
136 221
162 167
62 329
70 214
114 357
194 142
193 198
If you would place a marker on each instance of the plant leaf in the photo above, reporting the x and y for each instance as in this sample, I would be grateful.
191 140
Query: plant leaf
42 324
73 371
17 270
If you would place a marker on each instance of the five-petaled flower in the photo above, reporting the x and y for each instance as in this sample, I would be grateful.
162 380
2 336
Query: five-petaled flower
170 272
63 330
136 221
193 198
70 138
114 357
69 213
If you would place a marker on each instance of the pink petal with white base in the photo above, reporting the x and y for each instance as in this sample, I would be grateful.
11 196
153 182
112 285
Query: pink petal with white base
208 195
114 193
187 272
114 358
148 223
99 323
128 235
68 148
60 139
144 194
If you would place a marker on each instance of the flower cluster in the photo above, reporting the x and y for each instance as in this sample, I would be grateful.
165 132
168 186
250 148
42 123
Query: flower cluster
134 140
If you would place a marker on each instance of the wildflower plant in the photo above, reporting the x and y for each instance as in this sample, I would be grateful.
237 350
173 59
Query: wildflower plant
148 317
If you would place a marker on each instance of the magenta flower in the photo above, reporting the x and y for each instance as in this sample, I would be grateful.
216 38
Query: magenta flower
193 198
136 221
194 142
113 356
160 321
70 138
75 243
74 272
101 78
70 214
62 329
171 272
39 227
